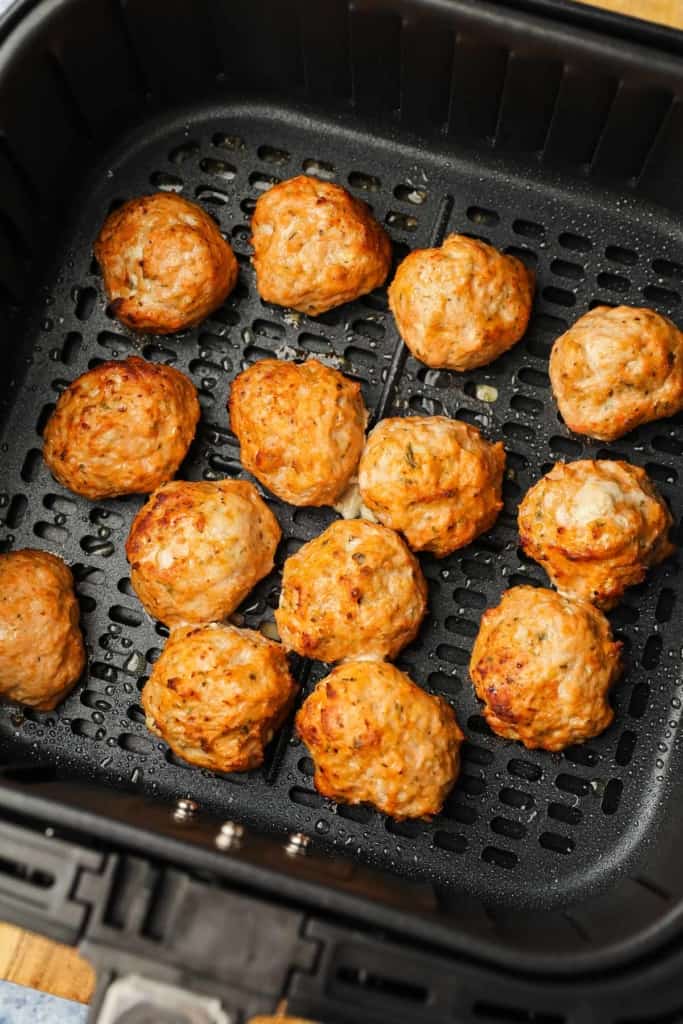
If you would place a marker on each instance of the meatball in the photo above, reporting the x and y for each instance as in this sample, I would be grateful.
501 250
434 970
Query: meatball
315 246
595 527
164 262
434 479
542 664
462 305
217 695
375 737
41 648
301 428
617 368
354 591
197 549
121 428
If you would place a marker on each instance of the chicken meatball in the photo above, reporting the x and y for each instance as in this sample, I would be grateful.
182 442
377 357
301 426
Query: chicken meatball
41 648
354 591
164 262
462 305
617 368
301 428
595 527
434 479
121 428
543 664
217 695
315 246
375 737
197 549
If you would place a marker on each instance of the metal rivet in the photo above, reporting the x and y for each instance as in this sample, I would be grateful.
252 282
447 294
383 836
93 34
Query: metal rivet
185 809
230 836
297 844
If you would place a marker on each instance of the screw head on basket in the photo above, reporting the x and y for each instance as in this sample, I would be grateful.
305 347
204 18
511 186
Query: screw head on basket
297 844
230 836
185 809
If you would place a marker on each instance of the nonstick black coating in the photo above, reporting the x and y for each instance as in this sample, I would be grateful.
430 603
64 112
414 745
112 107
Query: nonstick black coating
522 827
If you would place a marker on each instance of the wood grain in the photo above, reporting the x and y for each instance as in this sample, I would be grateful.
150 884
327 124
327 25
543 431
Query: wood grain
28 959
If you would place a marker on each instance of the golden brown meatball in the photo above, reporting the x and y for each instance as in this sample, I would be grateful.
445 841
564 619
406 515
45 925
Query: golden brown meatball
434 479
315 246
218 694
375 737
617 368
121 428
462 305
543 665
301 428
595 527
354 591
41 647
164 262
197 549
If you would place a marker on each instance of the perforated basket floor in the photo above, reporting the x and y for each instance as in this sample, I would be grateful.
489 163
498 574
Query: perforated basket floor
518 824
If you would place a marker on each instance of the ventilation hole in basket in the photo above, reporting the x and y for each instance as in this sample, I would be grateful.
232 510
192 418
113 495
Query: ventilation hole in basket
97 546
477 755
469 598
563 268
614 282
517 798
157 353
450 841
166 182
625 748
612 796
134 744
476 237
478 215
478 570
663 474
427 406
221 464
668 269
652 652
567 815
268 329
210 195
355 812
319 168
471 785
107 518
454 655
555 842
667 445
501 858
407 829
565 446
241 235
618 254
306 766
511 1015
16 511
306 797
84 301
577 243
411 194
665 605
89 730
315 343
666 296
232 142
509 829
51 532
125 616
365 182
180 154
559 296
524 579
272 155
360 357
536 378
518 462
624 615
369 328
572 784
601 304
331 318
87 604
530 406
581 754
435 378
64 506
401 221
539 347
528 228
262 182
518 432
526 256
136 714
94 700
376 301
71 347
218 168
463 627
113 342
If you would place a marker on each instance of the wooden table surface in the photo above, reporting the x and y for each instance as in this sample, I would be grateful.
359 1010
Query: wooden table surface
31 960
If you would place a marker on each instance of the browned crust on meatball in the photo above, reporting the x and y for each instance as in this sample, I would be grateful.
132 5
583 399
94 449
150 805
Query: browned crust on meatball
301 428
434 479
543 666
196 549
164 262
595 527
218 694
355 590
121 428
616 369
461 305
315 246
41 647
375 737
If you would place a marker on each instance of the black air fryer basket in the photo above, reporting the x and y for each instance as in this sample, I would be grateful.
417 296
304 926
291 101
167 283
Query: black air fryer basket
550 889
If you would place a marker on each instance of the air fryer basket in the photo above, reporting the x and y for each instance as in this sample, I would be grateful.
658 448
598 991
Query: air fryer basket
562 147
